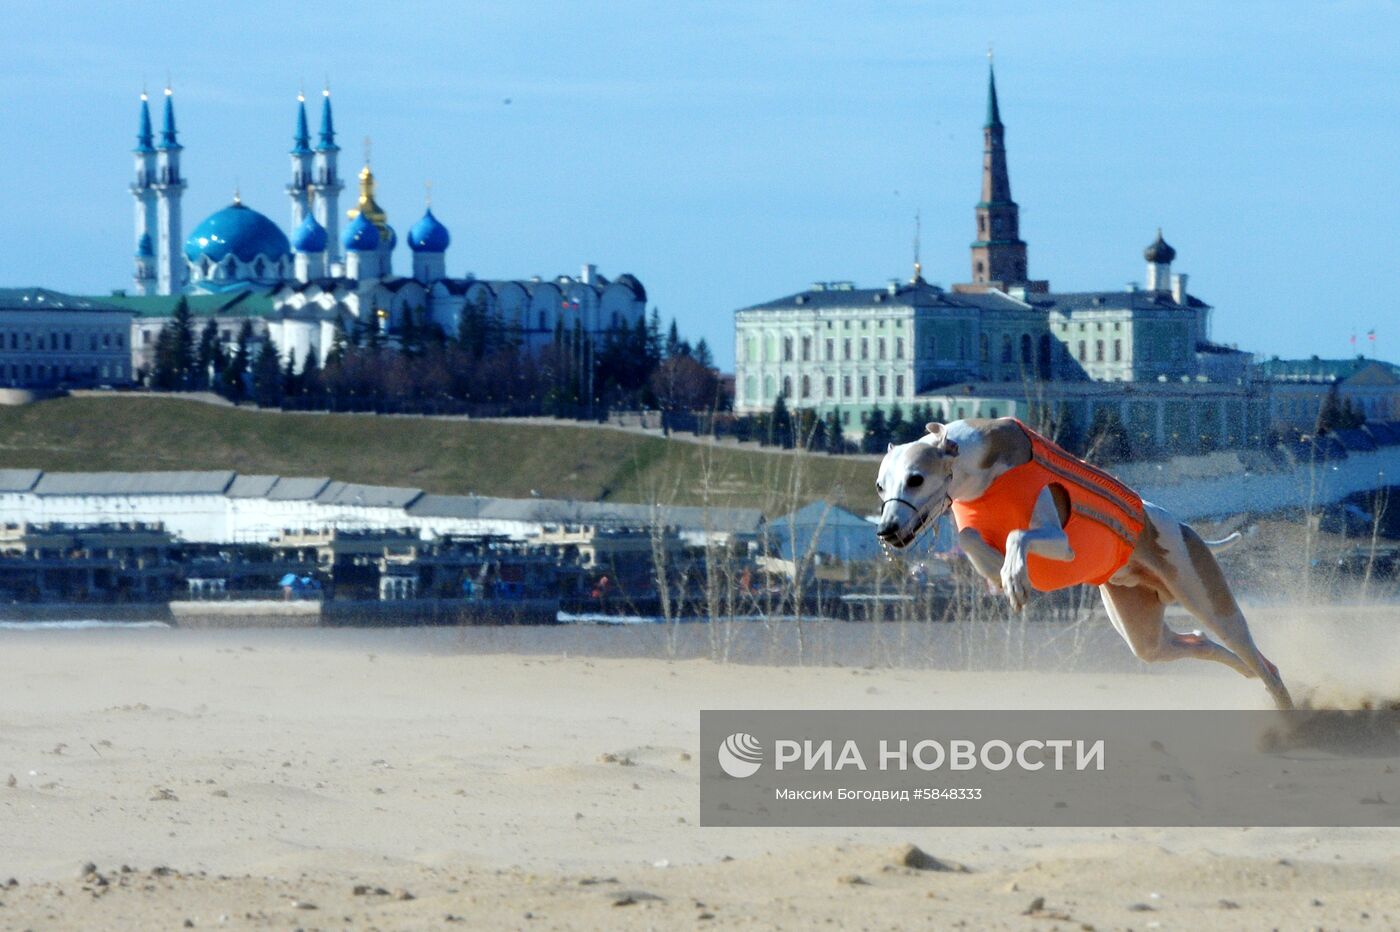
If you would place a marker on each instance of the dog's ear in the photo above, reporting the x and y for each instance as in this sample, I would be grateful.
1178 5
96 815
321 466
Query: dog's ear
889 448
938 433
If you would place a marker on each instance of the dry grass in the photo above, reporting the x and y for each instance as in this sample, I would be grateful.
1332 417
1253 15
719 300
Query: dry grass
438 455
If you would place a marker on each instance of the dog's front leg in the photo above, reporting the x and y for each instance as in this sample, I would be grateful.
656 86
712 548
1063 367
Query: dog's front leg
985 558
1045 537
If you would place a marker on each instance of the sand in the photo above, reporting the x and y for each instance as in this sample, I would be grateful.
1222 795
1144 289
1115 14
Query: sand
408 780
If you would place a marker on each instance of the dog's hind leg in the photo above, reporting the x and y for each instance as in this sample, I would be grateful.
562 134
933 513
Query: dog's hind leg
1194 579
1138 614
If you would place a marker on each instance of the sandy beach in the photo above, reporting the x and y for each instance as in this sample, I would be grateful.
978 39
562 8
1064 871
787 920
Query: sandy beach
416 779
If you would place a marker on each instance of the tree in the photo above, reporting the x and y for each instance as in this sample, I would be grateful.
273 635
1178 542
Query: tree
654 349
835 434
877 432
233 383
703 355
310 377
681 384
164 371
208 359
780 424
291 384
267 376
338 344
673 341
184 348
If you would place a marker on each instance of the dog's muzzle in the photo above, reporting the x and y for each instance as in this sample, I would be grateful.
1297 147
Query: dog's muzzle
889 528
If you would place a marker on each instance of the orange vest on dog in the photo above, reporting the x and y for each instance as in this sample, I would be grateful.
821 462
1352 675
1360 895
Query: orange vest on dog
1105 518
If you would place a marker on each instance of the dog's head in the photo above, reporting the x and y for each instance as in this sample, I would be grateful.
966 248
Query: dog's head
913 486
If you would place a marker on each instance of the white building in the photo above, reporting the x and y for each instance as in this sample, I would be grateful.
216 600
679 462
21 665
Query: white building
53 340
326 280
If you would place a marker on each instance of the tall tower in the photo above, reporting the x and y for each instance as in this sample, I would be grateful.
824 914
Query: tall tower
998 253
298 189
326 181
169 185
143 190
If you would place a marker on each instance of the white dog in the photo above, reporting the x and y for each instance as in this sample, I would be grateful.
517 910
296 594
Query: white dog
1031 516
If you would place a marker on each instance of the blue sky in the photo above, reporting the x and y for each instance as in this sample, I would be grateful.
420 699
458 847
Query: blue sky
730 153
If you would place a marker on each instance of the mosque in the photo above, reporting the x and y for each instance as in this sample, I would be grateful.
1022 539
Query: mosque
325 279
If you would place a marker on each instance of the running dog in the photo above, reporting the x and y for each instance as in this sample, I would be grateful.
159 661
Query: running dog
1032 516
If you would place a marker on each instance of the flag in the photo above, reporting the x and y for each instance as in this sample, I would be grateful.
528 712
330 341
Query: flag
1371 335
1353 339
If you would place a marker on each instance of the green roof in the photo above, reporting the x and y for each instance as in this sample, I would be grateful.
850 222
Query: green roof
238 304
45 299
1320 370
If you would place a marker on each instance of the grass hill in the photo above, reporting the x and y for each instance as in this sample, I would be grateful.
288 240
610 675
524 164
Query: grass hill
132 432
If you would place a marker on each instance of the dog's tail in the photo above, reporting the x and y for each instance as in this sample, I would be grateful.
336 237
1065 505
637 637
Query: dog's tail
1224 543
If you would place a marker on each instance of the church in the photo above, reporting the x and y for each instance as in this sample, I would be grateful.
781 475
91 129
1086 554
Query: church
329 278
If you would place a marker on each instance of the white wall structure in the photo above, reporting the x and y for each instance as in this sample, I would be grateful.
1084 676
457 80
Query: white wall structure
225 507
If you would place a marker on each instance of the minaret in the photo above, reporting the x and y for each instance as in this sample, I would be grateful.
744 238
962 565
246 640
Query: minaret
298 189
143 190
169 184
998 254
309 244
326 180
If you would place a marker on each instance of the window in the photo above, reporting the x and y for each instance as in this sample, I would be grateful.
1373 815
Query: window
1027 354
806 349
865 386
68 341
830 387
846 348
1117 350
899 386
1098 351
880 386
993 412
830 349
750 389
806 386
787 349
984 349
846 386
880 348
1006 347
1083 356
145 339
864 348
899 347
845 417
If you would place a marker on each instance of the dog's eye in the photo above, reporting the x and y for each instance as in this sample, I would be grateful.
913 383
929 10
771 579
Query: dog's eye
879 487
914 481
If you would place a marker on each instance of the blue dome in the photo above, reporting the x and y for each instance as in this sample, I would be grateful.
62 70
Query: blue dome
428 235
310 236
361 235
239 230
